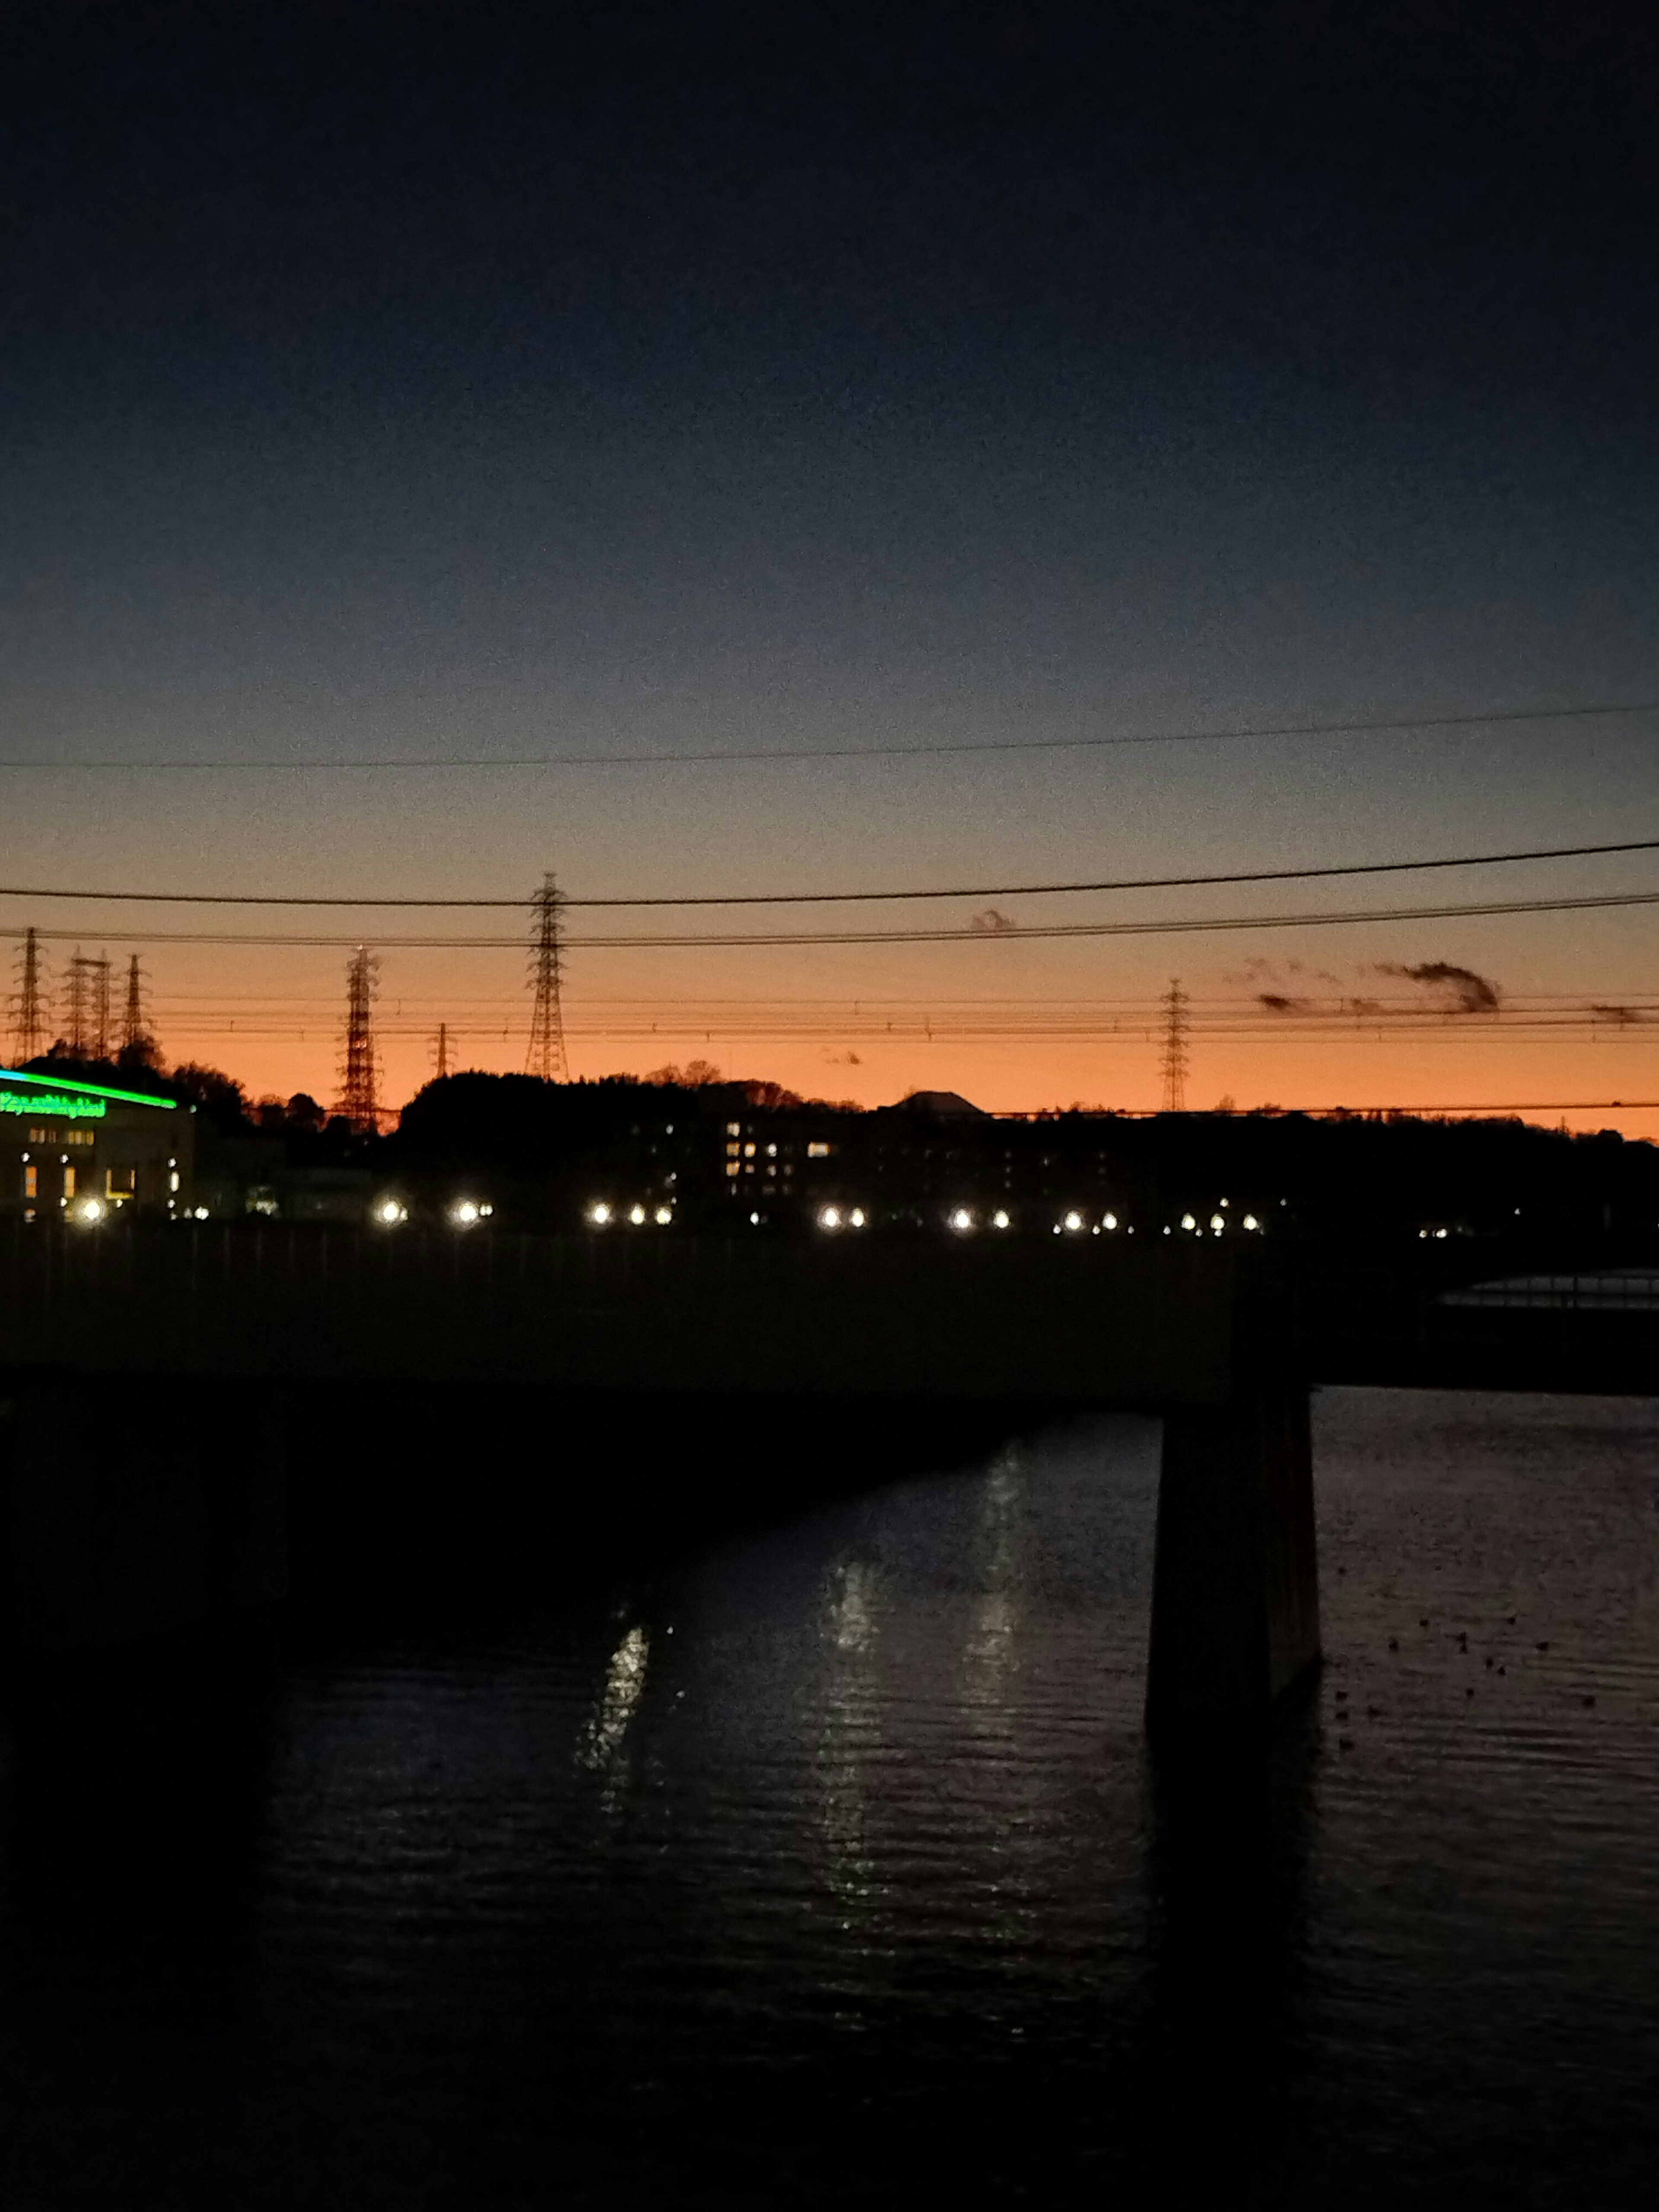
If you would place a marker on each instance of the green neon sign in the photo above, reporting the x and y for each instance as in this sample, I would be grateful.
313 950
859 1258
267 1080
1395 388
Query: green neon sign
56 1095
58 1103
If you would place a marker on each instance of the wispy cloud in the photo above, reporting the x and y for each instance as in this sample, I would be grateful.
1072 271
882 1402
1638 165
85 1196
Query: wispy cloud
1294 972
1459 990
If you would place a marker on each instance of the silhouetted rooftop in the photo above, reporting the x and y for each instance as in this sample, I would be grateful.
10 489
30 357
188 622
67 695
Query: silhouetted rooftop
941 1102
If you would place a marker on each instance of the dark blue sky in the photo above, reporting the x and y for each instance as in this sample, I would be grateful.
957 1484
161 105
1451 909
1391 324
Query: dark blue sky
455 381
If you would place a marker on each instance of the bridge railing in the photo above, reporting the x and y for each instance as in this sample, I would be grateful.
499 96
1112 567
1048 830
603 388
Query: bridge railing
971 1316
1152 1324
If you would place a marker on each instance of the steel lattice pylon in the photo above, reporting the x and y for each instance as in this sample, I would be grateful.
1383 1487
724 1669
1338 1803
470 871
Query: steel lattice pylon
545 1057
359 1100
1175 1049
100 1010
28 1027
86 1005
135 1031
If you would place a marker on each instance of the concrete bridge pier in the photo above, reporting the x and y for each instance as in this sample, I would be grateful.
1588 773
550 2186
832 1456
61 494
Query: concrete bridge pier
127 1519
1236 1575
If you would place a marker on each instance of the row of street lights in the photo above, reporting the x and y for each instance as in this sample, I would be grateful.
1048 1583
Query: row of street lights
390 1212
960 1220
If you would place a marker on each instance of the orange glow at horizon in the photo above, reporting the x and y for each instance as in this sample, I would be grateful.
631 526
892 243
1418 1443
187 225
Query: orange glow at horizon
273 1020
1311 1014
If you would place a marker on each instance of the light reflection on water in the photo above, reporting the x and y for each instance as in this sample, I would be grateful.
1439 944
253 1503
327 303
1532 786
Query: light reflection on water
624 1686
827 1864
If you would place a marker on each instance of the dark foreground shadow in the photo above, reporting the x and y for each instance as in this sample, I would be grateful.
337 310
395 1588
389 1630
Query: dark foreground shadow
448 1497
136 1782
1231 1829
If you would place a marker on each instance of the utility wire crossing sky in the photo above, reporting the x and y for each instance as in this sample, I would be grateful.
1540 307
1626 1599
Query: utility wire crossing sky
393 764
826 898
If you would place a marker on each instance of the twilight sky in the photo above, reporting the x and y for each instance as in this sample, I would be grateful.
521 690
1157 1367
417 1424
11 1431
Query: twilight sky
397 382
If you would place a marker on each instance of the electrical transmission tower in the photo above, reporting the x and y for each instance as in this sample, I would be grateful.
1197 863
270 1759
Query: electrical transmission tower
358 1101
135 1029
28 1028
546 1055
75 1005
86 1010
85 1006
440 1050
100 1022
1175 1049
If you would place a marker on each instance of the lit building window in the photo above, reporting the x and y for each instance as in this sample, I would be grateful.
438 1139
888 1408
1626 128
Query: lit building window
31 1182
734 1129
749 1151
818 1152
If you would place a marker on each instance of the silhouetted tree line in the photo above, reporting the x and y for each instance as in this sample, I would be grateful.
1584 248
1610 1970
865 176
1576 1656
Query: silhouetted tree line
540 1151
223 1107
544 1149
1351 1176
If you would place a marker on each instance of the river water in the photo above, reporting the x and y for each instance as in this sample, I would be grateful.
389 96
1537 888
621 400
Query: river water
824 1864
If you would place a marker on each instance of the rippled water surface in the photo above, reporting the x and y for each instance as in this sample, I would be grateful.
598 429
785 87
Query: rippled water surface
824 1863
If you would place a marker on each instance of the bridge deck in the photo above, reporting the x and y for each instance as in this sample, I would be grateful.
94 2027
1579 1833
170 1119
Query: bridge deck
1157 1326
641 1313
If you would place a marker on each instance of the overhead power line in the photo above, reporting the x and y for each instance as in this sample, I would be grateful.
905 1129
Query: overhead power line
1036 933
1331 1003
1509 1106
1188 926
848 898
805 757
1138 883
